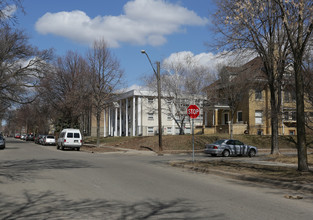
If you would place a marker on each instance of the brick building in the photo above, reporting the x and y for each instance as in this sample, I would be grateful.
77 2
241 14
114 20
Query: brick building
252 115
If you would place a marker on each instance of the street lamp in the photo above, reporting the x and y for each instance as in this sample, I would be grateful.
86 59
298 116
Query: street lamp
157 75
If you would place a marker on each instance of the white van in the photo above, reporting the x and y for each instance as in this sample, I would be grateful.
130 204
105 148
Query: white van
70 138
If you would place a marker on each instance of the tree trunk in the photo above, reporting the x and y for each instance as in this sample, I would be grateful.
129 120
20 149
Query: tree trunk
274 120
181 128
231 126
302 149
274 145
98 116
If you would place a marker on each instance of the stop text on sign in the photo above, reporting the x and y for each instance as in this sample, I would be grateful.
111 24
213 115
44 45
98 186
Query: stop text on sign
193 111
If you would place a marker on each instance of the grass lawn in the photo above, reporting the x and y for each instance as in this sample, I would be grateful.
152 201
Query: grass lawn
184 142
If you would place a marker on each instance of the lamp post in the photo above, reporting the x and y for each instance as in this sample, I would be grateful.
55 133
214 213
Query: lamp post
157 75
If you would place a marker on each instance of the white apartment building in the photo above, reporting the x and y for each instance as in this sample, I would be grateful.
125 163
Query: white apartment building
135 113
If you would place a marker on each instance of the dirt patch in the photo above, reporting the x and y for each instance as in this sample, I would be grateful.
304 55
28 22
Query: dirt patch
277 175
289 174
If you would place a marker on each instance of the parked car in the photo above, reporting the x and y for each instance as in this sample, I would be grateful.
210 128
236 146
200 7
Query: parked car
229 147
37 137
23 137
30 137
17 135
2 142
70 138
49 140
41 139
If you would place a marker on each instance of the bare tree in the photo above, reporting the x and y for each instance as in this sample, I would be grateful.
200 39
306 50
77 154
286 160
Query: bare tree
7 11
65 87
255 26
21 67
297 17
183 83
105 78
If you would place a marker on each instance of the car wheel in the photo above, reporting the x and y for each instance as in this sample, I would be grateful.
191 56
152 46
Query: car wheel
226 153
78 148
252 153
62 147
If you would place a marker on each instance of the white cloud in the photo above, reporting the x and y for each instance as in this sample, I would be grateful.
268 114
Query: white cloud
209 60
141 24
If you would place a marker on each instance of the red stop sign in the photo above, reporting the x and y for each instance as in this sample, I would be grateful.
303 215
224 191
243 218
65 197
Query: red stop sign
193 111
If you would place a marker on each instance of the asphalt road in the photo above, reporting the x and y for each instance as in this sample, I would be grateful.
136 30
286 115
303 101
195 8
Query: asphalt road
39 182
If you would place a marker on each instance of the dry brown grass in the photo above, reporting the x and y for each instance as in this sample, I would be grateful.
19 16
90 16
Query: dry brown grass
289 159
250 171
176 143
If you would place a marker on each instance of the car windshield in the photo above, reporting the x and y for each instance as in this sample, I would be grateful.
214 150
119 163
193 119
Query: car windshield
219 142
51 137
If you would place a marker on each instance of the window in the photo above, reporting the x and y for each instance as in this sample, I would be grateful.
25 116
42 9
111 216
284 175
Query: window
150 100
69 135
239 116
177 130
169 117
293 116
169 130
292 132
230 142
76 135
150 117
293 96
187 130
258 117
238 142
286 116
286 96
150 130
258 94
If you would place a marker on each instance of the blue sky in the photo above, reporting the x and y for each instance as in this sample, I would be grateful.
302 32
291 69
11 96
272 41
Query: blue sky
161 27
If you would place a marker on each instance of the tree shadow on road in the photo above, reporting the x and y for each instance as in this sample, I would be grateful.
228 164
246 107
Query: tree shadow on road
49 205
21 170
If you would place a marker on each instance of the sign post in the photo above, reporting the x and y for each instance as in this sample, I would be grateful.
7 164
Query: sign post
193 112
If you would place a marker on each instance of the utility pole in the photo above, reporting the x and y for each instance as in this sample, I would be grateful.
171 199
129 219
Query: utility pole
158 77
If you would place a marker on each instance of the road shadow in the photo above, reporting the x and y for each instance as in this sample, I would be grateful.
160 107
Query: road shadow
49 205
21 170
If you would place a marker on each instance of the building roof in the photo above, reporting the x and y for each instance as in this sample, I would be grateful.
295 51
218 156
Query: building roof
252 71
151 93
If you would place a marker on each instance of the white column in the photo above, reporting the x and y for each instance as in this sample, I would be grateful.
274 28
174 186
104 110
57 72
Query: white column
139 115
173 120
109 122
120 118
115 122
104 124
215 118
134 116
126 118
